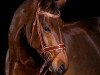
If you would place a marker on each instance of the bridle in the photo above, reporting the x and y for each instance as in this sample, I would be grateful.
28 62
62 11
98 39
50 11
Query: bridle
45 51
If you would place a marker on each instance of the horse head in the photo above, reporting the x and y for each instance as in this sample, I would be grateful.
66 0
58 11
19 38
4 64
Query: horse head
47 27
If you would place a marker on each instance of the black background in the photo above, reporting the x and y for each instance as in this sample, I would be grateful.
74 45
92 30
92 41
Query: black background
72 10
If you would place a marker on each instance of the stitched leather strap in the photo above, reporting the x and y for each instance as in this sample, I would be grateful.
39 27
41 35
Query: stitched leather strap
60 46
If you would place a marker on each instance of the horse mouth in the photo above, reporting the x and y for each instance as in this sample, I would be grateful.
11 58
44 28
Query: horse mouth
60 63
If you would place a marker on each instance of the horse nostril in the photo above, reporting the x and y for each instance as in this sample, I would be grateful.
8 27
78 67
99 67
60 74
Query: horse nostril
61 69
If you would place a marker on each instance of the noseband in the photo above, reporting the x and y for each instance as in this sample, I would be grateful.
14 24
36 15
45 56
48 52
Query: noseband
46 50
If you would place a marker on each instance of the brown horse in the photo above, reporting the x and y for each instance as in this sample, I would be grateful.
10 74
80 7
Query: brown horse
33 27
38 26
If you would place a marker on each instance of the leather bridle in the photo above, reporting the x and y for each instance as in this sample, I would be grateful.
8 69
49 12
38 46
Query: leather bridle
46 50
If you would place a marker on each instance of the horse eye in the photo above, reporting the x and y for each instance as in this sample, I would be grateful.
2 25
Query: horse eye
47 28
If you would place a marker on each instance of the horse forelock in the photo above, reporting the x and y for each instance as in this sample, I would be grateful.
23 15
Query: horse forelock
49 14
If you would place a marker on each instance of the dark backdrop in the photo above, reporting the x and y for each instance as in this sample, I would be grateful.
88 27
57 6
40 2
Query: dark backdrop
80 9
72 10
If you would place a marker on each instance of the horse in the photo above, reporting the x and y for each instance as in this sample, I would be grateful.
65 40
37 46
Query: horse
33 27
65 48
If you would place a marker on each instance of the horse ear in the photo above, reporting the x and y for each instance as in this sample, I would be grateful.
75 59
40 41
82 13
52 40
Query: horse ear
60 3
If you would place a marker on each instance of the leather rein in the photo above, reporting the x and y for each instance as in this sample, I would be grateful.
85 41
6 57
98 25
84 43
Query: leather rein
45 50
